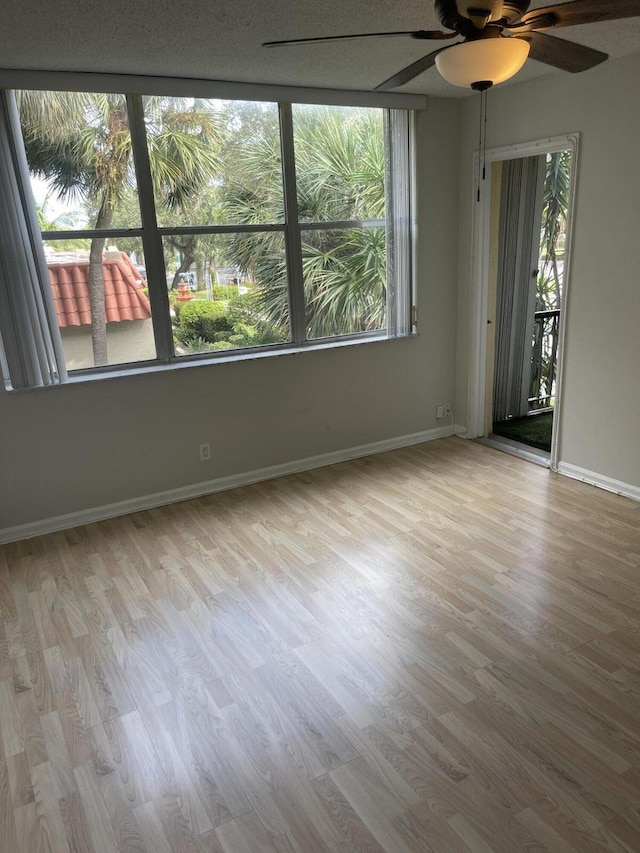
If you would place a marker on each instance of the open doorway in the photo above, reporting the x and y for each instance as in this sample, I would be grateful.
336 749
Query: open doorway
532 231
522 241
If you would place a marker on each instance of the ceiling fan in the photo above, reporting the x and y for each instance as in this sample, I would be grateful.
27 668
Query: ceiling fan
497 39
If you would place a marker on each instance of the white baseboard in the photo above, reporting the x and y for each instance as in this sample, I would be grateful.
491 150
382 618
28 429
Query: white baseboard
593 479
197 490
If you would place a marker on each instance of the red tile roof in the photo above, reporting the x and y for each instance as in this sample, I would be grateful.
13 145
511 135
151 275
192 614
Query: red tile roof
123 295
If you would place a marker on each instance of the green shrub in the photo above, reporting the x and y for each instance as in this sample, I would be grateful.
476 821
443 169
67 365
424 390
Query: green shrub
244 335
221 345
213 327
202 319
196 345
224 292
242 308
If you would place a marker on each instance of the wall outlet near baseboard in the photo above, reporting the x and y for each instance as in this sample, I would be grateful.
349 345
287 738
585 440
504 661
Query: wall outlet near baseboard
205 452
443 411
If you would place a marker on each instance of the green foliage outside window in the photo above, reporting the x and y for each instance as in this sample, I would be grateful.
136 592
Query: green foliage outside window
219 163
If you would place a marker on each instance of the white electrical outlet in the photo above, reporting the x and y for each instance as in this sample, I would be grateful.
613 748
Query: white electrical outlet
447 410
205 452
439 412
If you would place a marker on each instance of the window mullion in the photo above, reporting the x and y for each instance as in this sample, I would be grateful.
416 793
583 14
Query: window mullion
293 243
151 239
90 233
344 224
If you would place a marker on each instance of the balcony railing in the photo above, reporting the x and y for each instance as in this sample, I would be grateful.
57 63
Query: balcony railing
544 357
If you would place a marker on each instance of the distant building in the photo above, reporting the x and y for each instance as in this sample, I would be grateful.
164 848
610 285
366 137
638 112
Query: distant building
127 308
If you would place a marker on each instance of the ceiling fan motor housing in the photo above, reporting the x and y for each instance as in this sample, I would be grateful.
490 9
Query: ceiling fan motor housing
456 15
513 10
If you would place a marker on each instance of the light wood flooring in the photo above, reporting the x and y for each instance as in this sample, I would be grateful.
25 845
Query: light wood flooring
434 649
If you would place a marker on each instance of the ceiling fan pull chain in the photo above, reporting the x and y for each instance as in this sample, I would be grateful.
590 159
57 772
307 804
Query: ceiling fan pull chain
482 139
484 135
480 148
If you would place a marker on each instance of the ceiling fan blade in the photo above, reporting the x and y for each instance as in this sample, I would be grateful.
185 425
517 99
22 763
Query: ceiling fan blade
416 34
561 53
411 71
583 12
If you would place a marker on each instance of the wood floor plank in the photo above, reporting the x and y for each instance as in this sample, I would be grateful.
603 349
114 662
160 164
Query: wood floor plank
624 831
51 827
19 775
28 838
244 834
432 650
175 826
73 729
31 728
60 759
151 829
8 838
11 724
98 819
376 805
75 824
123 822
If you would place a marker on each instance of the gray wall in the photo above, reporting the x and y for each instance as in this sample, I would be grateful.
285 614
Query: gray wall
80 446
601 411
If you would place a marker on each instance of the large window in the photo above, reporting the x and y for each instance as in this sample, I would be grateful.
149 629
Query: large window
178 228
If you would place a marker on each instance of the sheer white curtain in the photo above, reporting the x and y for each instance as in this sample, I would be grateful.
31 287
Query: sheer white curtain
31 348
518 244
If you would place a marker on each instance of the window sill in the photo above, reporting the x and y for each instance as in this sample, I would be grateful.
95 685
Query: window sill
209 359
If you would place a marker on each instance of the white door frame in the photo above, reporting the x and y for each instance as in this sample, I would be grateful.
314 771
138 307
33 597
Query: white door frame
481 222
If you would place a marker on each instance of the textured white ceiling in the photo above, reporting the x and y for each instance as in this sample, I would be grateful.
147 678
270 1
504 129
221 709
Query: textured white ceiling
221 40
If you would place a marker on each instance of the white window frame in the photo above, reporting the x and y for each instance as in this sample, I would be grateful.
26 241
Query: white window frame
399 221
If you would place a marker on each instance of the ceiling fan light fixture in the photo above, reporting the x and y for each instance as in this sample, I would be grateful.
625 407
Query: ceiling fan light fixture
492 59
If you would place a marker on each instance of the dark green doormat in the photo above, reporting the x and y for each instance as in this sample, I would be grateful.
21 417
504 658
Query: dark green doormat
534 430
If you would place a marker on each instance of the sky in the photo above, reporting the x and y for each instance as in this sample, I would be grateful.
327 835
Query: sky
54 206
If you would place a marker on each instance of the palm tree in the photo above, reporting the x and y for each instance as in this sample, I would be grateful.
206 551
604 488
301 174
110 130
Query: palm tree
549 283
554 225
340 176
81 144
62 221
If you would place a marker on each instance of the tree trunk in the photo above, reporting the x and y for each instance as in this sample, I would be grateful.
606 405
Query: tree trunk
187 256
96 304
96 290
556 276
